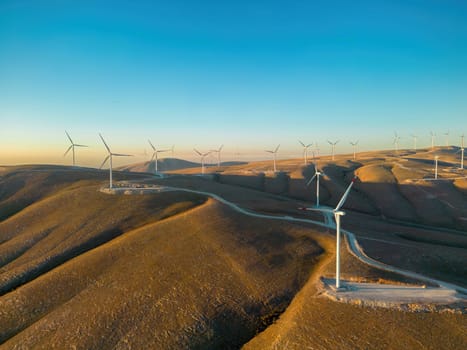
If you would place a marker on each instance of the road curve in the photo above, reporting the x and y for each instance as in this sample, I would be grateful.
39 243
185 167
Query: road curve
353 245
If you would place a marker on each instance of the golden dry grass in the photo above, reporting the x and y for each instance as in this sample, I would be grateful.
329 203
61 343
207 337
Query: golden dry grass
173 270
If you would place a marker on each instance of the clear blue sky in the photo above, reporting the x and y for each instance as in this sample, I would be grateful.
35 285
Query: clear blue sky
249 74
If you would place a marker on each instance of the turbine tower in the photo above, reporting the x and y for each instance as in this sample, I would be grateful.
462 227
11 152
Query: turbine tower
354 146
396 142
305 151
436 167
203 156
274 153
333 145
109 157
433 135
461 151
72 147
218 151
414 142
155 152
337 217
462 140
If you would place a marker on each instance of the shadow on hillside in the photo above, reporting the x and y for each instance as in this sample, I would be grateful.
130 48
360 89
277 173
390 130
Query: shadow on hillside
442 204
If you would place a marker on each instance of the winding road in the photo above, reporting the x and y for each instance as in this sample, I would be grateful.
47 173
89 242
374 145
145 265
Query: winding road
353 245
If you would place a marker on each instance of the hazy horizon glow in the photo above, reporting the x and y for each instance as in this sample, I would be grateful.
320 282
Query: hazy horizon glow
246 74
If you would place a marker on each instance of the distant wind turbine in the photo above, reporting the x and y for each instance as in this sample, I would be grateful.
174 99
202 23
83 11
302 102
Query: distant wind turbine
447 138
305 151
156 152
462 140
109 157
354 146
218 151
436 167
433 135
203 156
72 147
461 151
337 217
317 176
274 153
396 141
414 142
172 150
333 145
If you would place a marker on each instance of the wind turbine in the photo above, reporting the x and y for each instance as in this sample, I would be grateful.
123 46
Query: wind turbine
72 147
447 138
436 167
202 155
156 152
218 151
109 157
337 217
274 153
305 151
316 149
396 141
333 145
414 142
462 140
433 135
354 146
316 175
461 151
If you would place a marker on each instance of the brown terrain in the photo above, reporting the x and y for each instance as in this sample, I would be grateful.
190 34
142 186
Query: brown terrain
82 269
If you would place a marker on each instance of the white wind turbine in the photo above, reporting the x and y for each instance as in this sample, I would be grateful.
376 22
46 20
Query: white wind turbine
317 176
203 156
337 217
414 142
354 146
218 151
333 145
72 147
461 151
155 152
436 167
109 157
305 151
396 141
316 149
447 138
274 153
433 135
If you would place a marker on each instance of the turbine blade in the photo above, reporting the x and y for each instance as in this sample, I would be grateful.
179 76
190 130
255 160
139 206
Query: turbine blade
277 148
81 146
106 146
302 143
68 150
311 180
194 149
330 142
105 160
346 193
122 155
309 145
153 155
220 148
154 148
69 138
